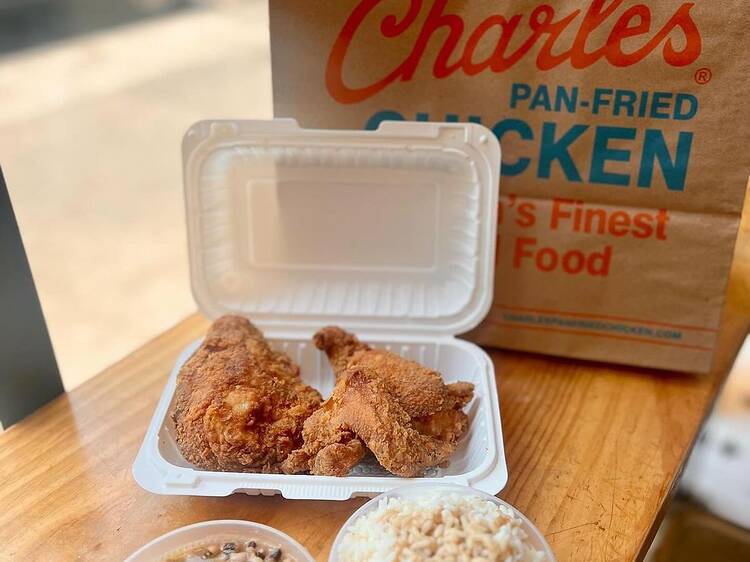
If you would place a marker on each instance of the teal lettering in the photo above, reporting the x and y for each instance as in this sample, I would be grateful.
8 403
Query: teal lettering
602 97
525 132
685 107
603 154
541 98
552 150
562 97
385 115
660 101
519 92
674 171
624 99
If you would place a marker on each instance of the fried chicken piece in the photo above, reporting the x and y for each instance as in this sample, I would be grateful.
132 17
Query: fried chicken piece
401 410
328 450
361 409
434 406
239 405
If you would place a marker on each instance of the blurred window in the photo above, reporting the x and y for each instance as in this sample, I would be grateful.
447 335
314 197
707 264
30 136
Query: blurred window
96 97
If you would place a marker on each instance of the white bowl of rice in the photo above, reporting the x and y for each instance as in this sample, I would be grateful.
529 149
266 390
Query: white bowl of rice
444 522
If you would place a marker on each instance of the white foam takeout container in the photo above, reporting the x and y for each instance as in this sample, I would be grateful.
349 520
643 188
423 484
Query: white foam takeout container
388 233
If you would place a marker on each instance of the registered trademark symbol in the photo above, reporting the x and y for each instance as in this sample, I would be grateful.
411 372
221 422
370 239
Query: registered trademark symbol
703 75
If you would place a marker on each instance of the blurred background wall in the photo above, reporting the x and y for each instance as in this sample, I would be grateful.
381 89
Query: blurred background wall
95 96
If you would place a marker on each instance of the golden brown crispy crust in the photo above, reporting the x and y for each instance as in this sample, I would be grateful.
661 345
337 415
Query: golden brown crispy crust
343 450
239 406
337 459
419 390
386 428
447 425
362 410
403 412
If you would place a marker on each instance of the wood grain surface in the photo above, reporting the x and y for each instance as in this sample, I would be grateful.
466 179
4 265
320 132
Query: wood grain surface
593 454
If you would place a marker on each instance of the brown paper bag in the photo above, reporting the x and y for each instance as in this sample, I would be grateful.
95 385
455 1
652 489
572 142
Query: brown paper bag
624 133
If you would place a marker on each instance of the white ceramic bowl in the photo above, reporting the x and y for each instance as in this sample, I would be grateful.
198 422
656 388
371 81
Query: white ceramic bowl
534 536
228 529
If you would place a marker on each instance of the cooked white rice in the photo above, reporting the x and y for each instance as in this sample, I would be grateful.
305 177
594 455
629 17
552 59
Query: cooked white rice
447 527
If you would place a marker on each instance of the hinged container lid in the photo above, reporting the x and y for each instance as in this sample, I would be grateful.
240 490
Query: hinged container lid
390 230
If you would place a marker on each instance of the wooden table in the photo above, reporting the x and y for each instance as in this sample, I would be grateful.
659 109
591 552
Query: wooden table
593 453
